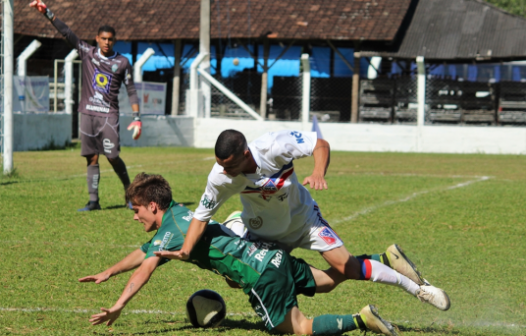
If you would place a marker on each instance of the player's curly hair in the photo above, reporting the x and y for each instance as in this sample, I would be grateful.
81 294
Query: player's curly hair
149 188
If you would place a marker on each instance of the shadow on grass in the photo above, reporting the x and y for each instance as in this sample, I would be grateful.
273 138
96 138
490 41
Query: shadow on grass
112 207
8 183
430 330
224 328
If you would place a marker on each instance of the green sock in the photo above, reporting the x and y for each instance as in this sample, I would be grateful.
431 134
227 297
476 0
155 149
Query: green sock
378 257
333 324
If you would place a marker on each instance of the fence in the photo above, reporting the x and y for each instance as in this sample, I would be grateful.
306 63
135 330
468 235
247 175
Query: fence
394 100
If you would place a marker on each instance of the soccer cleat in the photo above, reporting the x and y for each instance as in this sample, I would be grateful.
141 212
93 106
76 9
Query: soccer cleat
400 263
235 214
434 296
235 223
90 206
369 319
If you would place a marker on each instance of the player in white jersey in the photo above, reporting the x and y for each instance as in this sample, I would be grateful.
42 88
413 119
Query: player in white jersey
277 208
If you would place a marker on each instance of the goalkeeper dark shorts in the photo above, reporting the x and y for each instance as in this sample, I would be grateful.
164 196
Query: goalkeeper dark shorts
99 135
274 294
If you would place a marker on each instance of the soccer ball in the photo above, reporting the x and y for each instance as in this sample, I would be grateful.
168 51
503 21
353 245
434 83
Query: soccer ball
205 309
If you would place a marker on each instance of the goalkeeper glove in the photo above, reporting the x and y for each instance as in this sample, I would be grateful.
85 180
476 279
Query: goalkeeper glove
136 126
42 8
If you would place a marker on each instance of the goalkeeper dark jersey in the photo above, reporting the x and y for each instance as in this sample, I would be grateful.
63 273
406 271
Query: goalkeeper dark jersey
102 76
219 249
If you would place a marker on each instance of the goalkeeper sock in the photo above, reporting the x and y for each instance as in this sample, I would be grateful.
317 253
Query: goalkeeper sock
120 169
93 182
334 324
378 272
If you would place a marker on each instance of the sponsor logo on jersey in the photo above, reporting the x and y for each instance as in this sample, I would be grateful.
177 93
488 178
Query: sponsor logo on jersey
251 250
298 136
255 223
269 186
98 99
94 61
283 197
97 108
101 81
276 261
328 236
114 67
108 145
189 217
209 204
157 242
166 240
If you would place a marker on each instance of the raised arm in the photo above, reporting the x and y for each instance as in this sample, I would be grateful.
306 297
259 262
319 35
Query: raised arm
59 25
322 158
138 279
131 261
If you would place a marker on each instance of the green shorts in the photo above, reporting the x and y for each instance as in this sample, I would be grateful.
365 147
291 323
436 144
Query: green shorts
274 294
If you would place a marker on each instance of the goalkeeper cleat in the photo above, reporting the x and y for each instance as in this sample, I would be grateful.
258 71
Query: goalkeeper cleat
90 206
434 296
400 263
369 319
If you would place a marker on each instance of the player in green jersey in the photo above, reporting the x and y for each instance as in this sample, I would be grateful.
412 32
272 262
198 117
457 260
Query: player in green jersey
268 275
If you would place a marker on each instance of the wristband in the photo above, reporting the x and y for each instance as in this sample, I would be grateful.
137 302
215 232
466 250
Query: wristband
49 14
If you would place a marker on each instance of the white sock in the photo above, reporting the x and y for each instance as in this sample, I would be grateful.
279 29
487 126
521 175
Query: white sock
388 276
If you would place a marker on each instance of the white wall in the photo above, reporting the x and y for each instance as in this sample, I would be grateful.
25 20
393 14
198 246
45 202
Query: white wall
36 131
381 138
33 131
159 131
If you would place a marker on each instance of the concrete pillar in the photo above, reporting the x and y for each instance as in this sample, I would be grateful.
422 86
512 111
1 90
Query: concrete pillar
7 140
204 49
68 80
23 57
264 80
355 88
177 77
421 96
305 97
137 67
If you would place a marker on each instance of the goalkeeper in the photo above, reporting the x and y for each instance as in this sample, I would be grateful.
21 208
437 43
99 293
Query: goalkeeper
103 72
269 276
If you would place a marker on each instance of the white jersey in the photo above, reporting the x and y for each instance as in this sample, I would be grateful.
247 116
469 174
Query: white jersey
275 204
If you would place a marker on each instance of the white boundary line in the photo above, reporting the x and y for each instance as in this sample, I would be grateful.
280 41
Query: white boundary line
87 311
405 199
251 314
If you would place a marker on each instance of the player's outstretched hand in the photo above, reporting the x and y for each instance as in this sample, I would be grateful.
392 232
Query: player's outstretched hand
39 5
178 255
98 278
109 315
136 127
316 181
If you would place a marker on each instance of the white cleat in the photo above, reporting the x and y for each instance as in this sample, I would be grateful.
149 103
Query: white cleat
434 296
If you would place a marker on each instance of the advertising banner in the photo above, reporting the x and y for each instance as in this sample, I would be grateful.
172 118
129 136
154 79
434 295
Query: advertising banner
30 94
152 98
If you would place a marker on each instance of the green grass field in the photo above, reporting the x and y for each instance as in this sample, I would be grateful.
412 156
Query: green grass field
460 218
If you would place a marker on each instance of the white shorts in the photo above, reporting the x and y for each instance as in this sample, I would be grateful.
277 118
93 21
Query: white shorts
316 235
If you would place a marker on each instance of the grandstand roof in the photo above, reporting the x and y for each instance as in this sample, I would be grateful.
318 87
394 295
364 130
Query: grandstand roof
363 20
460 30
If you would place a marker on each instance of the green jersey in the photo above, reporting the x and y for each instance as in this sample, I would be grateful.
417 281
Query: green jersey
219 249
